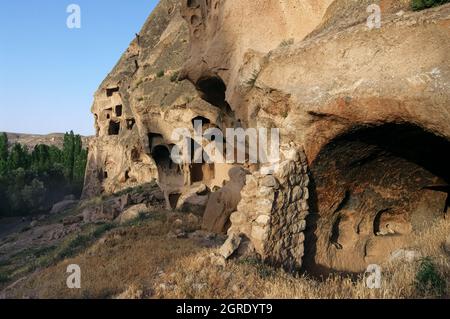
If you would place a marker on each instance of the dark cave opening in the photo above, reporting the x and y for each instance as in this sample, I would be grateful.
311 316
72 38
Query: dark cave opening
193 3
119 110
173 200
130 123
372 188
114 128
111 91
212 89
161 155
154 139
200 120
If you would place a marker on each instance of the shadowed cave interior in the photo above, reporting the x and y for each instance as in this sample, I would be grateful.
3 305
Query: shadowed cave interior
372 188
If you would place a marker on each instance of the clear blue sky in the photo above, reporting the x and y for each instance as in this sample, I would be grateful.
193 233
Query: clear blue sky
48 72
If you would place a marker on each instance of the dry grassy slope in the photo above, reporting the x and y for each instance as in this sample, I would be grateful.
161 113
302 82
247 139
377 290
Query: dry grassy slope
31 140
141 261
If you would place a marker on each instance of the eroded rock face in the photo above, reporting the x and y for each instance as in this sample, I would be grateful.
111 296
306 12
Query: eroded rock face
363 116
370 108
137 108
223 202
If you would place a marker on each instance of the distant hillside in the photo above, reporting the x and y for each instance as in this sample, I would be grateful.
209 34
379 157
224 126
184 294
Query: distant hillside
31 140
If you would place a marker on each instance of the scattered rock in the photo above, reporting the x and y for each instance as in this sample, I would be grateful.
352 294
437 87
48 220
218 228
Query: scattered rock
132 213
178 223
133 292
33 223
230 246
218 260
72 220
180 233
194 199
192 219
171 235
63 206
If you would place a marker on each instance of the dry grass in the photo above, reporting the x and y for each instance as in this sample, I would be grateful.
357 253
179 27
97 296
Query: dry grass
193 277
140 261
130 256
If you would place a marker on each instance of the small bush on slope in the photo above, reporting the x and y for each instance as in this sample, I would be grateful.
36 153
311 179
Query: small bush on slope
417 5
429 281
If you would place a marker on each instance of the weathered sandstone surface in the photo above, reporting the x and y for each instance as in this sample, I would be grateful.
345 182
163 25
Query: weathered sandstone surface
364 116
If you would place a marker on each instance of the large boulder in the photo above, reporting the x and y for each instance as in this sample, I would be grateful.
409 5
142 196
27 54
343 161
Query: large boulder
194 199
106 211
63 206
224 202
132 213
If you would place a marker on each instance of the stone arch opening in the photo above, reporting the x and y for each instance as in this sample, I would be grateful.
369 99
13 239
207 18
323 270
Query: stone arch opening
372 189
212 89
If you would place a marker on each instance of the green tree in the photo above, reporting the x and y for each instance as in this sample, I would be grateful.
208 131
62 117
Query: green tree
424 4
18 157
69 154
3 154
40 158
3 147
33 195
32 182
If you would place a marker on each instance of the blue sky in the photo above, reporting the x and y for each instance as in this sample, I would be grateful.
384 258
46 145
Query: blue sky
48 72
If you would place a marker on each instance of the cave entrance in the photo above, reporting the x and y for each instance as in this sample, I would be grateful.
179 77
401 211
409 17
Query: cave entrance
161 155
200 171
114 128
154 139
130 123
212 89
173 200
111 91
119 110
200 120
373 188
170 174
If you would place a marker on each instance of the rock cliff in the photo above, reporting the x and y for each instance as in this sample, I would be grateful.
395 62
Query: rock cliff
363 115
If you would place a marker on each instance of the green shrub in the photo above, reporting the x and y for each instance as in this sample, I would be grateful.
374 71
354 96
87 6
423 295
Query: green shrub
428 280
160 74
3 277
417 5
252 80
82 241
174 77
100 230
286 43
